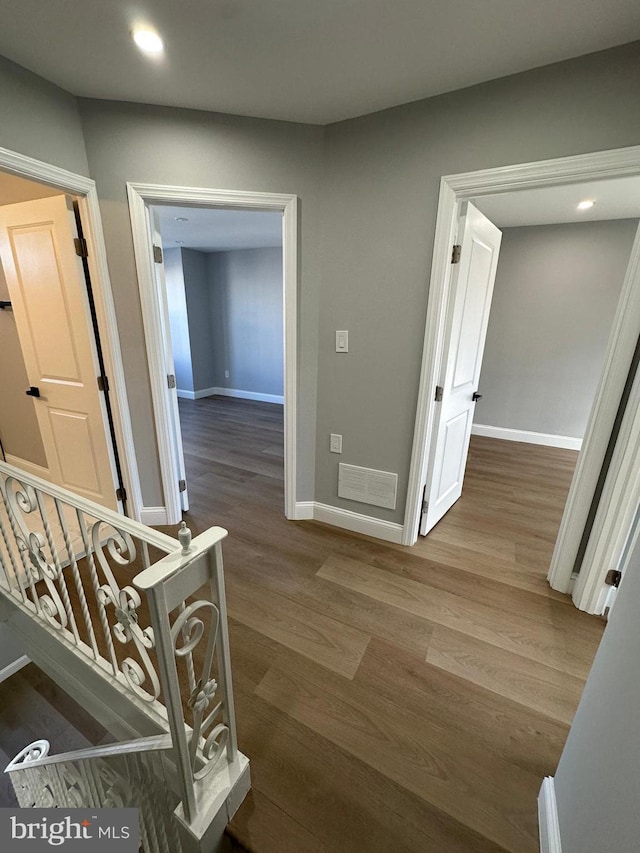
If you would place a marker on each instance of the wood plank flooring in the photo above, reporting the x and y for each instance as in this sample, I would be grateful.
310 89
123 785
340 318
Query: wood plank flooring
391 699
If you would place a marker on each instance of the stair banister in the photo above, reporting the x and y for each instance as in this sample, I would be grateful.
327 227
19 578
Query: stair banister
72 588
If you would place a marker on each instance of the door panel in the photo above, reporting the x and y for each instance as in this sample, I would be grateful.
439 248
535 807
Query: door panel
467 320
48 294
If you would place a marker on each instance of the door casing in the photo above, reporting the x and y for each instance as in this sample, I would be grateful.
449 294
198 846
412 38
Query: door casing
141 196
84 189
454 189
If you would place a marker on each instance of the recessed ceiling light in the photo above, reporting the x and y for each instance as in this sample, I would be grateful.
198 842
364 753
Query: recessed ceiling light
179 242
181 218
148 40
586 204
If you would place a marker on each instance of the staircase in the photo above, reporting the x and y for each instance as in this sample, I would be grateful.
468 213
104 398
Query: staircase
132 623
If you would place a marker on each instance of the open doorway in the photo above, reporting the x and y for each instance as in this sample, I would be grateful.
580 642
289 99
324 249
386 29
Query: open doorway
156 323
223 285
56 415
619 352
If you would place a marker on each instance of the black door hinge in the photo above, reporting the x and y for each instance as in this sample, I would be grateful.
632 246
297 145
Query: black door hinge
121 494
455 253
613 578
182 485
103 383
81 247
439 393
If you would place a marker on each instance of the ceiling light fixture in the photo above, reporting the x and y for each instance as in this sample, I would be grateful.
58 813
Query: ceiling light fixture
148 40
179 242
181 218
586 204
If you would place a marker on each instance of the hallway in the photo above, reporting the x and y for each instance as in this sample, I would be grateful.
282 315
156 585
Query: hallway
391 698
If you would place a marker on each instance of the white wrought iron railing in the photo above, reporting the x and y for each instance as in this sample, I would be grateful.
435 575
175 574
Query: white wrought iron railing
123 775
134 623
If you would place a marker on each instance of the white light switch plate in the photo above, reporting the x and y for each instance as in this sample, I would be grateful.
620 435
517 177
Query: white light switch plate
335 444
342 341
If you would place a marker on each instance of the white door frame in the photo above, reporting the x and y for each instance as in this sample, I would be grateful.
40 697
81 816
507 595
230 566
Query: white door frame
623 162
85 190
140 197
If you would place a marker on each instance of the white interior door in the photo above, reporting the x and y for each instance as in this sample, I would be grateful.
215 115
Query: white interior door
49 299
172 391
467 320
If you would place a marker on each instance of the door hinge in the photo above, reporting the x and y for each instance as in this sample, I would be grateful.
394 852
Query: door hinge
157 254
182 485
103 383
81 247
425 502
171 380
439 393
455 254
613 578
121 494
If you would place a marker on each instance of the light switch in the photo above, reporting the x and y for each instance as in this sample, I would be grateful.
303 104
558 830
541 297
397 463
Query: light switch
342 341
335 444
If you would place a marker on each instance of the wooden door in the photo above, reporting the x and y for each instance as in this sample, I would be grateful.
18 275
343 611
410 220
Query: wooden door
49 299
467 320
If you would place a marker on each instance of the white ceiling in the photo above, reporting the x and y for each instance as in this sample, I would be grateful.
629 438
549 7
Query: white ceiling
618 198
315 61
218 230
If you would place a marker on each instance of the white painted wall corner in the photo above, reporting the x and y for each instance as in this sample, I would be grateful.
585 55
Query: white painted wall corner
549 827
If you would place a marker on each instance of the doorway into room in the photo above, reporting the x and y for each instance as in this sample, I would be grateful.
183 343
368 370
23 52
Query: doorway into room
223 290
620 348
143 199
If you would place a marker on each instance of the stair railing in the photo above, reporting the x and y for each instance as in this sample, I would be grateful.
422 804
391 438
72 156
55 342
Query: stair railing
121 775
138 617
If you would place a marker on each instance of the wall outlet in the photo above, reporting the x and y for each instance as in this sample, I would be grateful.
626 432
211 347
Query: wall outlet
226 374
335 444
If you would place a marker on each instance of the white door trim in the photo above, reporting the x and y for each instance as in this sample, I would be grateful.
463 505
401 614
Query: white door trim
140 196
454 189
85 189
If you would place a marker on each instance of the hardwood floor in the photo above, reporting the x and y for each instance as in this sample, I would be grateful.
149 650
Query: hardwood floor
389 698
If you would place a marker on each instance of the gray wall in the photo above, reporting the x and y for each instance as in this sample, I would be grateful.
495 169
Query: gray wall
598 777
556 292
10 648
178 320
19 428
40 120
380 200
198 293
368 190
127 142
246 291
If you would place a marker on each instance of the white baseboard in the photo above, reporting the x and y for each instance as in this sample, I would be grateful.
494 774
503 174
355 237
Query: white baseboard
29 467
548 439
348 520
549 828
13 667
185 395
304 510
232 392
152 515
